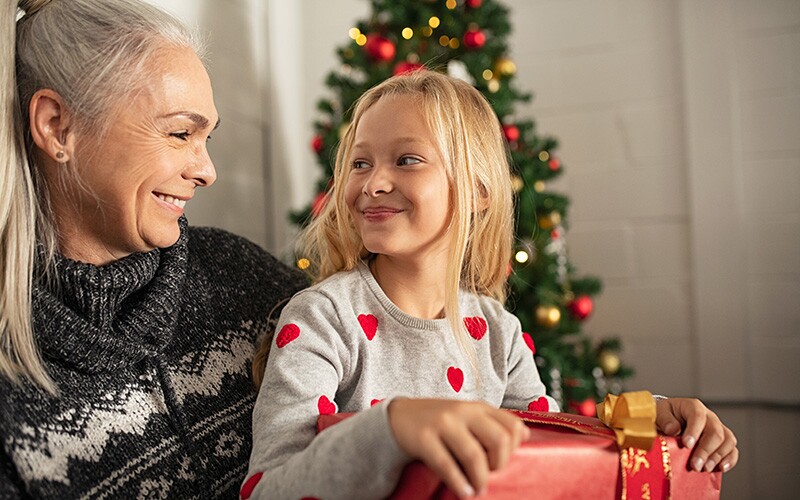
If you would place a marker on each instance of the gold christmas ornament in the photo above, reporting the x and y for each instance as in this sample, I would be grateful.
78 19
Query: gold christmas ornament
548 316
609 362
517 183
505 67
549 221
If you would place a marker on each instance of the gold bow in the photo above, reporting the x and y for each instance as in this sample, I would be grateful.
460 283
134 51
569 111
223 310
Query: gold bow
632 416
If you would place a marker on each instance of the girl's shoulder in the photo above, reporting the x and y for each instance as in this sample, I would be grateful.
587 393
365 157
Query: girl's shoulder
490 309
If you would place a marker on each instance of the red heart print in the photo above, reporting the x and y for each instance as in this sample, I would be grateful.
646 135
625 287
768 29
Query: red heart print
369 324
456 378
374 402
529 342
540 404
288 333
476 326
325 406
250 485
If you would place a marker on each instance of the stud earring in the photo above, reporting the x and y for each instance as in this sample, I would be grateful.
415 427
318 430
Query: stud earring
60 155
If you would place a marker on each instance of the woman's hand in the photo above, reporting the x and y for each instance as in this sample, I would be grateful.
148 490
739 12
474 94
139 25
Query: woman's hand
455 438
714 444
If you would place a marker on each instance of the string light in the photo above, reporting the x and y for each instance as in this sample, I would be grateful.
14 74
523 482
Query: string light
454 43
487 74
407 33
433 22
544 155
444 40
521 256
303 264
538 186
354 32
426 31
494 86
451 4
361 39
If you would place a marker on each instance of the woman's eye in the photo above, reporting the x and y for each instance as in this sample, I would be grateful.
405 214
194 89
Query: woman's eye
408 160
180 135
360 164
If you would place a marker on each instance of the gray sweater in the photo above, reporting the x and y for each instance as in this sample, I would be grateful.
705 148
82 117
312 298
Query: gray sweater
343 346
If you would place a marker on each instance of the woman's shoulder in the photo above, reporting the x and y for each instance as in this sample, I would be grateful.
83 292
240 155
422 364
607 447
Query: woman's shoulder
216 252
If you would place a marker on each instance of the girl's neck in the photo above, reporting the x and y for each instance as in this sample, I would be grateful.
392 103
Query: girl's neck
415 286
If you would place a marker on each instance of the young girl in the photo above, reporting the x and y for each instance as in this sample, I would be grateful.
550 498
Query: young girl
410 255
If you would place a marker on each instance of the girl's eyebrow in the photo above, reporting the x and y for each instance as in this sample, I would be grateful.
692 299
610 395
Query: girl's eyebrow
399 140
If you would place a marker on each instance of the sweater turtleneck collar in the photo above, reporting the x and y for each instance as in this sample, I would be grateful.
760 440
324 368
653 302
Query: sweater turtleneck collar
105 318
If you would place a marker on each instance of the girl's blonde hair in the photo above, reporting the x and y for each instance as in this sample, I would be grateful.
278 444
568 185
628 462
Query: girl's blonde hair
470 140
93 54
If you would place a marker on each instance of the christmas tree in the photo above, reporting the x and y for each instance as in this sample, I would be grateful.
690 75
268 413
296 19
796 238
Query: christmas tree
467 39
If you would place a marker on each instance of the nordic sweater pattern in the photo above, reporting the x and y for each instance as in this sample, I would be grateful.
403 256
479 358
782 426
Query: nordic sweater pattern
151 355
342 345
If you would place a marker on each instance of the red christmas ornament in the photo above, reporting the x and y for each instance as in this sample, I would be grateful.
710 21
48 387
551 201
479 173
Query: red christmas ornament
319 203
554 234
581 307
474 39
317 144
473 4
554 164
406 67
379 48
511 132
586 407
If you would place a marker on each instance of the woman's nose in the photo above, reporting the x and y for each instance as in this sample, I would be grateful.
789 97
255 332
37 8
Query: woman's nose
202 170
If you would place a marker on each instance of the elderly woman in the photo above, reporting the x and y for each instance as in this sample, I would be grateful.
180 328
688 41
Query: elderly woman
126 336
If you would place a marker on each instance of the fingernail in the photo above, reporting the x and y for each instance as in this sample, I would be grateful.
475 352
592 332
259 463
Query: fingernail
725 467
688 441
710 465
697 464
468 491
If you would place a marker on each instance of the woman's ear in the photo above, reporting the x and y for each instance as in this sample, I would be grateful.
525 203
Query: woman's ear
51 125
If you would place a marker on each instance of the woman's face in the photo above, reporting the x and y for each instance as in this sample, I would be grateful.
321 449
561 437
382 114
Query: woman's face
140 175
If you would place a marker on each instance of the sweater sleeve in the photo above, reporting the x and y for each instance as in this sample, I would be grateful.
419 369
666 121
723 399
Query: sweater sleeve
10 485
525 389
309 359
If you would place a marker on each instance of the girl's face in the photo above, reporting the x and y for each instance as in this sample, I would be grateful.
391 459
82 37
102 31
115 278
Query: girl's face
141 175
397 190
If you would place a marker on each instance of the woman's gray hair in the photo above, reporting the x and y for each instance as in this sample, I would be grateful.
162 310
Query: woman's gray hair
93 53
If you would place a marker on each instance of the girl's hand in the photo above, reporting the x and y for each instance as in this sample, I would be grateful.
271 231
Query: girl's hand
714 444
455 438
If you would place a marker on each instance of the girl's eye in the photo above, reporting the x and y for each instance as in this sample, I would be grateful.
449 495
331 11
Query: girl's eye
360 164
408 160
181 135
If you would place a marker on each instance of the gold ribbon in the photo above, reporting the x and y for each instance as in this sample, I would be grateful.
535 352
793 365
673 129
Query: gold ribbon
632 416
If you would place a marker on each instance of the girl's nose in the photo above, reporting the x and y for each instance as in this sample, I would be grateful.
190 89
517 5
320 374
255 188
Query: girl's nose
378 182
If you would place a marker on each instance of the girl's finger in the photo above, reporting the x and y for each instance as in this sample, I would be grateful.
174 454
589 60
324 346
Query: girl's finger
437 456
496 439
695 414
469 454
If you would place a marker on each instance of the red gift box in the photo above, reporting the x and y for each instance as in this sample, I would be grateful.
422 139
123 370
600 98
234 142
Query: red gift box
574 457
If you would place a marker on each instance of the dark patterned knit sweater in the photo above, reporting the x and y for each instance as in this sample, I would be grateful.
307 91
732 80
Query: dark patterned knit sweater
151 355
